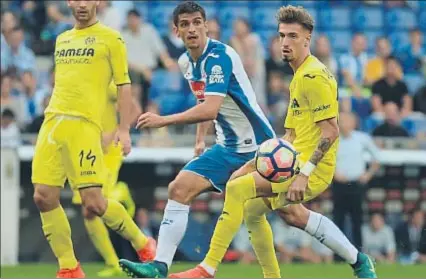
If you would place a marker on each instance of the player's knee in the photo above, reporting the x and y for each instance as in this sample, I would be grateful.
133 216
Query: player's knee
46 198
88 215
295 215
179 191
93 201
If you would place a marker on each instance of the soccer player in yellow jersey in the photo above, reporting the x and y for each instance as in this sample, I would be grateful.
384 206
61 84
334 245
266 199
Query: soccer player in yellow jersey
113 158
69 145
311 125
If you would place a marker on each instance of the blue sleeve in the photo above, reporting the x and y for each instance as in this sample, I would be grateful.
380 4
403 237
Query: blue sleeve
218 70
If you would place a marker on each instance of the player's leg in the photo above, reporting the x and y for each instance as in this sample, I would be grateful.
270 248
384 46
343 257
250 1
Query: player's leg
261 236
48 177
86 172
209 171
323 229
238 191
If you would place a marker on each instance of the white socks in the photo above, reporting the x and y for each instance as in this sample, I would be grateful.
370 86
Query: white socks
331 236
210 270
172 230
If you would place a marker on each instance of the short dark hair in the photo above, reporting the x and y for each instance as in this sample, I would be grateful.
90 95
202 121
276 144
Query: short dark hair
292 14
134 12
392 58
187 7
8 113
415 30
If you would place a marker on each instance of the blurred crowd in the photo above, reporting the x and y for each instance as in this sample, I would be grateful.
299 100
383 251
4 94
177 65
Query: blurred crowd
383 93
386 90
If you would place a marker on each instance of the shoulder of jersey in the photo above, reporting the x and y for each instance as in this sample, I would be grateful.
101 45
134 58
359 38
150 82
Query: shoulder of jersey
314 70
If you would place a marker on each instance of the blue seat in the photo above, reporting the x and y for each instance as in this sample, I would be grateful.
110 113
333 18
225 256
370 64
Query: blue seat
161 14
340 40
266 36
339 17
227 15
398 18
414 82
398 39
410 126
367 17
370 123
227 3
270 4
303 3
264 17
422 20
226 34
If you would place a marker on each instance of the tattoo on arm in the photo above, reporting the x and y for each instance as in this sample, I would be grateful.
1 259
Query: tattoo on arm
322 148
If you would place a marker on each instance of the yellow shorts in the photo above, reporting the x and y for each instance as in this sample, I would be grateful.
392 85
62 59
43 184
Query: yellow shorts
316 186
113 159
70 148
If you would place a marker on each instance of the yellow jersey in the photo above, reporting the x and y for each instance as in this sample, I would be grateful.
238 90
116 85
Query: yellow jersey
109 119
313 97
86 60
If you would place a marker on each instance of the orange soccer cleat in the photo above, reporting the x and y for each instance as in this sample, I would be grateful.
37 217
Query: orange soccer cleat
147 253
196 272
71 273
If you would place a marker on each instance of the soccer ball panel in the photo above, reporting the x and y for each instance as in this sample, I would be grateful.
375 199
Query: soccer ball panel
276 160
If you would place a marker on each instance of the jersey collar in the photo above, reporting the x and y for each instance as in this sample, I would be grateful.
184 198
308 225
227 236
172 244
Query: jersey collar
205 52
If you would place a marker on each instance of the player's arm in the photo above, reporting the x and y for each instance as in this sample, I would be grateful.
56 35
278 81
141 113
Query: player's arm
200 143
289 135
218 71
120 73
324 106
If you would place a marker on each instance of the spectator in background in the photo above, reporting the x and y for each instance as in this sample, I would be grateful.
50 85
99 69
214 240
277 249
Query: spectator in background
109 15
16 54
391 89
143 222
248 45
420 100
32 95
278 99
352 175
58 21
8 101
412 55
408 235
275 61
8 22
242 245
35 125
10 136
291 243
144 49
174 44
379 240
392 125
352 66
214 29
33 17
323 53
376 67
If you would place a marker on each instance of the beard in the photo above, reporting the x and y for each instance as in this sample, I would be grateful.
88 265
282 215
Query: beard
287 58
84 17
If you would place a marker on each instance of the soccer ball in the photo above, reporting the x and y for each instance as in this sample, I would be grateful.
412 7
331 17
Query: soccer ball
277 160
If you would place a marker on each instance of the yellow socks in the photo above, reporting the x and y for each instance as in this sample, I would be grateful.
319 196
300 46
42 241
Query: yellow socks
57 231
99 235
117 218
237 192
261 236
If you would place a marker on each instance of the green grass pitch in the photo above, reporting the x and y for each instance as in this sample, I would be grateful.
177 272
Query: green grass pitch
234 271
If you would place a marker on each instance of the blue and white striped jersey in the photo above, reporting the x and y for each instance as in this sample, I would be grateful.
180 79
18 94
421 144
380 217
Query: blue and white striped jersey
241 125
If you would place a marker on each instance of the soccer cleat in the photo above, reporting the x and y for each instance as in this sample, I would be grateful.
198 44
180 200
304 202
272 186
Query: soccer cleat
364 266
71 273
144 270
147 253
196 272
110 271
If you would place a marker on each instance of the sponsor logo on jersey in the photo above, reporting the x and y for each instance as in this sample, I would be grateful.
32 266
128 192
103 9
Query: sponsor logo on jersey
294 104
198 88
321 107
86 173
72 52
216 75
89 41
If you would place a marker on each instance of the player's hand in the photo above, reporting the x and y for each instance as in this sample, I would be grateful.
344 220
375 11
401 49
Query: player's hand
151 120
199 148
123 136
296 191
364 179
